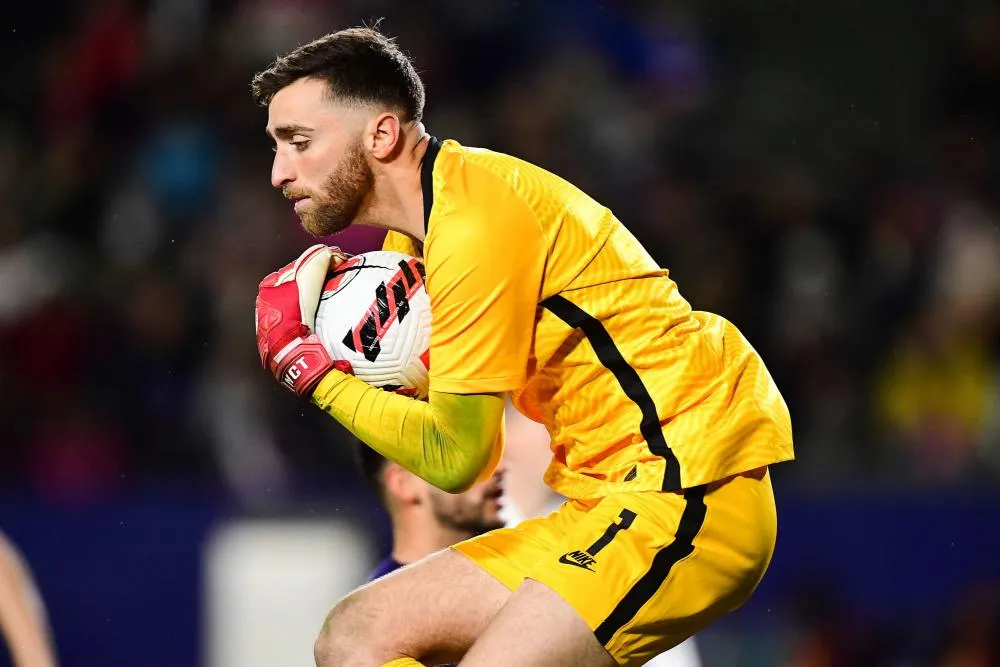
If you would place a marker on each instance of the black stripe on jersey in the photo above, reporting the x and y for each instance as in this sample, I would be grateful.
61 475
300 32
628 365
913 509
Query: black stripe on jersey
427 177
611 358
683 546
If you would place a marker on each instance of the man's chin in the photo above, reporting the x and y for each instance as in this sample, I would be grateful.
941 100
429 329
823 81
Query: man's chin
493 523
311 229
320 228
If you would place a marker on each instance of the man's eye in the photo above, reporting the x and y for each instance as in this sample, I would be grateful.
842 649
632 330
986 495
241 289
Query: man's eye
300 145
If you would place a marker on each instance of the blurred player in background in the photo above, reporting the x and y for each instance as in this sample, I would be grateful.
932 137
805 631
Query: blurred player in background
663 419
424 518
22 615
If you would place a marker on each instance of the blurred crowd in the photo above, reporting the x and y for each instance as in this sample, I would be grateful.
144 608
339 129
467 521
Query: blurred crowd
819 628
829 188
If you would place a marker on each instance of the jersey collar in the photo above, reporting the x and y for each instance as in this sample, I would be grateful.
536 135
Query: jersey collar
427 178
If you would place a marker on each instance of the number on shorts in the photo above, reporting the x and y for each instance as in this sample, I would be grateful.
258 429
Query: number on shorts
626 518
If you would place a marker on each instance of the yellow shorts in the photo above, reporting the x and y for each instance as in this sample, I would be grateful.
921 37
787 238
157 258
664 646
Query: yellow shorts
645 570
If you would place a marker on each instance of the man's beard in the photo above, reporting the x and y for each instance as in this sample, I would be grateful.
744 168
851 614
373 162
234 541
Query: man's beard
467 519
342 196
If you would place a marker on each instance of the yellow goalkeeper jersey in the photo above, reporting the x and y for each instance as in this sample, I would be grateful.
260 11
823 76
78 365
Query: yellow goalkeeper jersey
538 290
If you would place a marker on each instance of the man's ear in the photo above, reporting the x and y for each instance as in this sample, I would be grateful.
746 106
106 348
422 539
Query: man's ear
401 485
384 135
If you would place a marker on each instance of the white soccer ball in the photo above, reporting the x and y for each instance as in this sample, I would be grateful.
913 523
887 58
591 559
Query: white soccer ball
375 314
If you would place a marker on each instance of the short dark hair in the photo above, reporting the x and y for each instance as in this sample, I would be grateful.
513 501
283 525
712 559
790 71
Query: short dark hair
372 466
358 64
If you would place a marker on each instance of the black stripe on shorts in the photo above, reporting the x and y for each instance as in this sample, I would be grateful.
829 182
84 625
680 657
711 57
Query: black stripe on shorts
683 545
611 358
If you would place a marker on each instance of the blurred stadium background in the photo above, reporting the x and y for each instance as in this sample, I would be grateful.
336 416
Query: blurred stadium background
824 174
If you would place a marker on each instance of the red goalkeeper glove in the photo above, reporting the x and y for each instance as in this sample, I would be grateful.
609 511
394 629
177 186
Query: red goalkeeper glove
287 301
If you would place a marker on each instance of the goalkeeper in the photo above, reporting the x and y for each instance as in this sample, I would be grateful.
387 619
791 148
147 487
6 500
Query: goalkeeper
663 419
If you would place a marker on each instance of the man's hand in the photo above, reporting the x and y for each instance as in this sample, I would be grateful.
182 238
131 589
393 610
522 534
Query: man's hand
287 301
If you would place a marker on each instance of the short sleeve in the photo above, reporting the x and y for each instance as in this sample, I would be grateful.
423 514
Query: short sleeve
485 263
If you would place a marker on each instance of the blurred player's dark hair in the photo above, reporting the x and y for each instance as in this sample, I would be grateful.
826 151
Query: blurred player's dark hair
372 466
358 64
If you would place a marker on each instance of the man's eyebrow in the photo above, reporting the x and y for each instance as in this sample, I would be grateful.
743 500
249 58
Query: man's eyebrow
285 132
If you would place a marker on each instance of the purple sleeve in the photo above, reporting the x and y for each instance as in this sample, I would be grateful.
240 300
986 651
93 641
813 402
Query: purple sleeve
387 565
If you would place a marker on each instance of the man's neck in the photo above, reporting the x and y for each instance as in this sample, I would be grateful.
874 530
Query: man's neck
413 541
398 202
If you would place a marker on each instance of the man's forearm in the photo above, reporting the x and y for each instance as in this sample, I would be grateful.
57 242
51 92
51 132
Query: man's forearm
450 441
